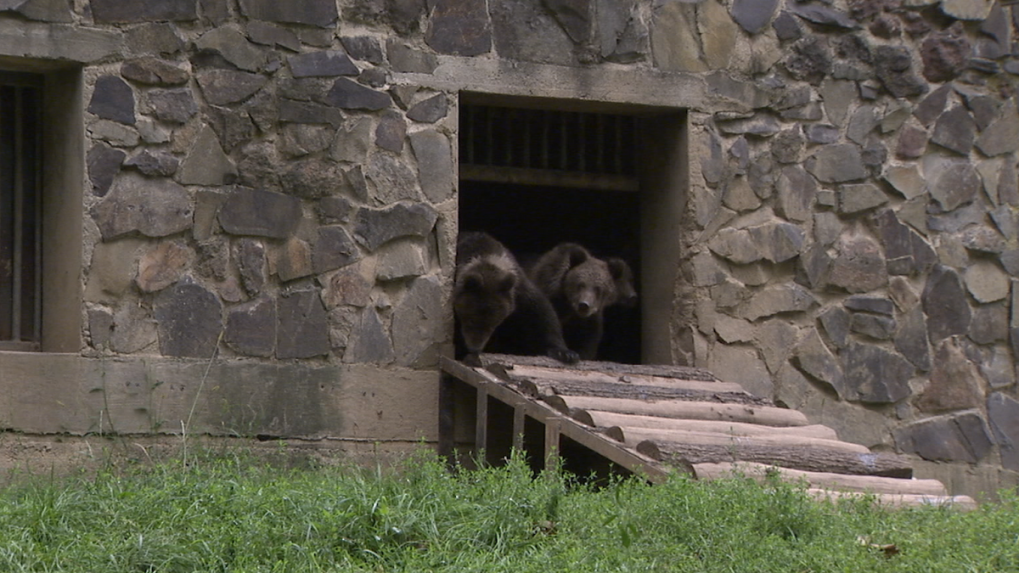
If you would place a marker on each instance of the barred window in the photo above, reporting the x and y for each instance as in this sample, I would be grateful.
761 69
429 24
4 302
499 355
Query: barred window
20 210
548 147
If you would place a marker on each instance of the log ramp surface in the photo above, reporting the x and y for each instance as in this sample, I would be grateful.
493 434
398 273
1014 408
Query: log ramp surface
655 421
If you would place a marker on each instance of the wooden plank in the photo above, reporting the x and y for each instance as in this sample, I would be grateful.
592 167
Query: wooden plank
615 390
548 178
807 459
600 443
689 410
607 445
605 419
666 370
823 480
960 502
593 376
635 436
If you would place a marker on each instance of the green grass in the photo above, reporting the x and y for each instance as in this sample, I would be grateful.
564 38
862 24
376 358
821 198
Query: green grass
232 513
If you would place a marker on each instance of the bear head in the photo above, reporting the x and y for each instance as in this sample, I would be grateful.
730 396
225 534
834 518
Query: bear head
484 294
622 276
589 286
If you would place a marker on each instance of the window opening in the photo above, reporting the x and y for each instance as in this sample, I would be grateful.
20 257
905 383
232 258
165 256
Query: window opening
20 211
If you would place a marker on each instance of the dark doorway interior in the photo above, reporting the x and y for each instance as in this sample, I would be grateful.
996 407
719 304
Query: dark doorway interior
530 219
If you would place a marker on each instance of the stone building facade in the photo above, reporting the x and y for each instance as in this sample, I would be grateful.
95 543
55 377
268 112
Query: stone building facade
250 207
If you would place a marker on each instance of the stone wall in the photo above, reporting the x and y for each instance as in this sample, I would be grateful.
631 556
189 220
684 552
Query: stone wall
853 252
272 182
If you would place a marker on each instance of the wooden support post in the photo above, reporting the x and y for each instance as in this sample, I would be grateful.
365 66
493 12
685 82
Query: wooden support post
518 428
552 434
447 418
481 427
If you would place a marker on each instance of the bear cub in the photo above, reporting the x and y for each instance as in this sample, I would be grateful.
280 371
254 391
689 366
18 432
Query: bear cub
497 307
580 287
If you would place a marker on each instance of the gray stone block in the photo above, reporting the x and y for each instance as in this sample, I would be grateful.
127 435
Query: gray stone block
113 99
251 328
347 94
302 330
324 63
174 105
961 438
225 87
137 11
260 213
103 165
753 15
189 319
373 227
875 375
152 207
333 248
369 341
435 164
154 72
944 301
321 13
459 28
1003 415
911 338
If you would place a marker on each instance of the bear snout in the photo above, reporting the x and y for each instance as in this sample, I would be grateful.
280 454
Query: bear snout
585 308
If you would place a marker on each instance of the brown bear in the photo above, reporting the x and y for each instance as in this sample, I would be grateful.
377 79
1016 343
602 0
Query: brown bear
580 287
497 307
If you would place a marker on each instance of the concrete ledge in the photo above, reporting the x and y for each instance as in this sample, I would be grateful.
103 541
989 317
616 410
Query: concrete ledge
26 455
57 41
600 85
69 394
982 483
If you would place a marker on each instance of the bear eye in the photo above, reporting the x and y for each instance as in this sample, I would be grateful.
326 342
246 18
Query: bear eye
507 284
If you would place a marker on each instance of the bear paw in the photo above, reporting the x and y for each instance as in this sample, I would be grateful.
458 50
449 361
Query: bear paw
564 355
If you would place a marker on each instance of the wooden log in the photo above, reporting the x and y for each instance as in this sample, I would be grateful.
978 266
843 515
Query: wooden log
683 409
666 370
616 390
600 418
823 480
594 376
635 436
960 502
807 459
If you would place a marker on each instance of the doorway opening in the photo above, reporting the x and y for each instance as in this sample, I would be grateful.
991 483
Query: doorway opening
535 173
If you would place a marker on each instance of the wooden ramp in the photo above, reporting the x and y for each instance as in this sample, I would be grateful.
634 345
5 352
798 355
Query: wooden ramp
654 421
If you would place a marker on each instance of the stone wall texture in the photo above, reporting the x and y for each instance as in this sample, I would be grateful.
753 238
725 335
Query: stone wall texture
277 180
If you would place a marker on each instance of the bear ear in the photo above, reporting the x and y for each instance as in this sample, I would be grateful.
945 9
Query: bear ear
621 274
618 268
507 284
576 254
472 283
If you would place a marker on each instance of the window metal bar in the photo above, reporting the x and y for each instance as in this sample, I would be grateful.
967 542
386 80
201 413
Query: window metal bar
19 212
544 138
580 143
565 139
467 147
